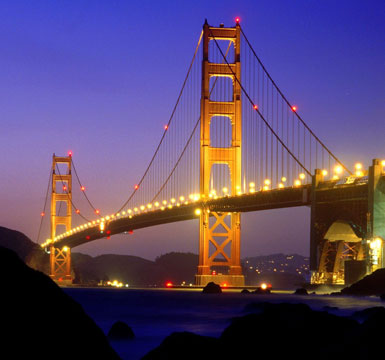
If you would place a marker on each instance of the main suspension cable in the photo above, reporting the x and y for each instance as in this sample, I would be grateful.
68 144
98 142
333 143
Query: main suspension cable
166 128
256 108
188 141
45 205
288 103
83 191
65 188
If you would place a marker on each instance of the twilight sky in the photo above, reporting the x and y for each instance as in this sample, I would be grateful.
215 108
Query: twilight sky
94 76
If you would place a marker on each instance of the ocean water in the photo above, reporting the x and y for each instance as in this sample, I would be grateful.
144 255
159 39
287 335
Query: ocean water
154 314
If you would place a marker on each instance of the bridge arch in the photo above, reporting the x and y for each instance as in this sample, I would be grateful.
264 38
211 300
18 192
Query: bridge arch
341 247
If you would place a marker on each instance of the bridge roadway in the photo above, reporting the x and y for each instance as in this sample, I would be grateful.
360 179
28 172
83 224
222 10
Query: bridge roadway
261 200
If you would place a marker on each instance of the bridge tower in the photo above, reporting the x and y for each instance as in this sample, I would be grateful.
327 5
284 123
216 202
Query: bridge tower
60 259
220 230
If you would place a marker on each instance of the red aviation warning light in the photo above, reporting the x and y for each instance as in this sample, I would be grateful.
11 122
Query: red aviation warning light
166 127
64 188
70 153
83 188
237 19
77 211
97 211
255 107
294 108
168 284
136 187
42 213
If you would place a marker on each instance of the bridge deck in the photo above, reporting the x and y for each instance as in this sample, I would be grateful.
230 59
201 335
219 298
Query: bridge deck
262 200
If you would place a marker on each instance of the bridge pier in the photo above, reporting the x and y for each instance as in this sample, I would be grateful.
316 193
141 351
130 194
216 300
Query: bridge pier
347 227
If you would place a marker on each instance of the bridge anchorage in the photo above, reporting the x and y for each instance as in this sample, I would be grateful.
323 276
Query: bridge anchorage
253 152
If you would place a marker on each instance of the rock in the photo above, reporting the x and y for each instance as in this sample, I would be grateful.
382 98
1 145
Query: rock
120 331
367 314
261 291
287 328
373 284
301 291
40 320
186 345
212 288
245 291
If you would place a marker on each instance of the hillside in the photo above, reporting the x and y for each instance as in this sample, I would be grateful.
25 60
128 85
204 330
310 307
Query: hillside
282 271
28 251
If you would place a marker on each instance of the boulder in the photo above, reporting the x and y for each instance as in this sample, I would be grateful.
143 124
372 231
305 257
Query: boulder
261 291
186 345
285 329
120 331
369 313
39 320
301 291
212 288
373 284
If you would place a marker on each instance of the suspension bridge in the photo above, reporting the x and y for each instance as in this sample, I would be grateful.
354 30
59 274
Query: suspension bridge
233 143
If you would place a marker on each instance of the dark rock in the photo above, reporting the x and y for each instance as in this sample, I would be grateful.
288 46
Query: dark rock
40 320
245 291
186 345
261 291
301 291
373 284
212 288
366 314
120 331
285 328
330 308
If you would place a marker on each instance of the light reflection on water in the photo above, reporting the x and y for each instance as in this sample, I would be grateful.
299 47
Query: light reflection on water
154 314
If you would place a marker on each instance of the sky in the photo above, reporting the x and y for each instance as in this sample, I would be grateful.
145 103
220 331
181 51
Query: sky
94 76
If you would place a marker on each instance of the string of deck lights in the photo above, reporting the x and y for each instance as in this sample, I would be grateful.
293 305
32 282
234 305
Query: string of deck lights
193 198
